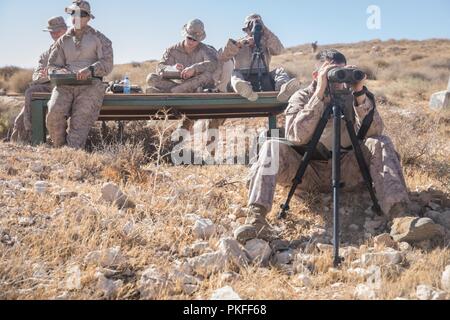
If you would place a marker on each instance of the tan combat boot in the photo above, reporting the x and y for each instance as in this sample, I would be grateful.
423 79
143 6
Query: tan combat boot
288 89
256 227
245 90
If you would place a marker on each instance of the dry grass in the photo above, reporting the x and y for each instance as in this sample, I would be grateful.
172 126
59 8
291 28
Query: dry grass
36 266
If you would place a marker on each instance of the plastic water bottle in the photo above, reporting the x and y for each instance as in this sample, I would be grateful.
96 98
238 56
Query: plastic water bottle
126 85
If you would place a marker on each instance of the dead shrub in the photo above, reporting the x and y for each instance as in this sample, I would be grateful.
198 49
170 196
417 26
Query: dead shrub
20 81
371 74
416 57
7 72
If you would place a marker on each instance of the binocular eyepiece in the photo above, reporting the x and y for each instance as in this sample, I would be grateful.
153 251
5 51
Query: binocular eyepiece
346 75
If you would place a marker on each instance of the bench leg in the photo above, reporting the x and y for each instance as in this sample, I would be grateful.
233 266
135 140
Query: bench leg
272 124
38 122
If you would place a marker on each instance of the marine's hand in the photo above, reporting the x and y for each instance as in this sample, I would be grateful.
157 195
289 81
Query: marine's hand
187 73
84 74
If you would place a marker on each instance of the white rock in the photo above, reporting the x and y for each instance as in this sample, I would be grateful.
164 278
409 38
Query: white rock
404 246
364 292
229 276
374 277
62 297
208 263
285 257
151 284
358 272
108 258
204 229
324 247
112 194
445 281
424 292
389 257
190 289
258 250
225 294
41 187
353 227
303 280
107 286
26 221
73 279
36 167
231 250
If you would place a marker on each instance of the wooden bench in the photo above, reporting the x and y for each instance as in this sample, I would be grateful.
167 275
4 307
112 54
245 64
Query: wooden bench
119 107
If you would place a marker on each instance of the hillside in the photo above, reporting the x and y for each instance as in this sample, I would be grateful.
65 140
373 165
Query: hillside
60 237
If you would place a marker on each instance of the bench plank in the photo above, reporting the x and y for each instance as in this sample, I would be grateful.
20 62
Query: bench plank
195 106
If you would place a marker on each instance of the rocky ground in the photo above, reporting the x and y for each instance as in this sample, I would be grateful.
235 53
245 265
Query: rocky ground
166 233
116 223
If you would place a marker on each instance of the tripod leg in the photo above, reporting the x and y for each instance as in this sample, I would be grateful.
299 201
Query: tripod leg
305 162
336 180
364 168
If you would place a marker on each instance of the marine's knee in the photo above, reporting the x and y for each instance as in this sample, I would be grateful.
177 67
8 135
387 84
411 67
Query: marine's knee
152 78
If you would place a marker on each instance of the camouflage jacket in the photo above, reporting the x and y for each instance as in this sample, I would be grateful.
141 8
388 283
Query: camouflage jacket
203 59
42 65
91 49
305 111
272 46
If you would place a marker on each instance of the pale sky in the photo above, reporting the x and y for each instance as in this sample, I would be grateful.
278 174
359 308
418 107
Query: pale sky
141 30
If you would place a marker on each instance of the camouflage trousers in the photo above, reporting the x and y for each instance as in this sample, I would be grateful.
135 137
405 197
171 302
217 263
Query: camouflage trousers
22 124
380 155
187 86
81 106
279 76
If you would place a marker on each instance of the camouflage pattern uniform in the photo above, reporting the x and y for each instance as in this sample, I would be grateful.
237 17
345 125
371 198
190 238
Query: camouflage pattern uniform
203 60
81 104
22 124
302 118
242 57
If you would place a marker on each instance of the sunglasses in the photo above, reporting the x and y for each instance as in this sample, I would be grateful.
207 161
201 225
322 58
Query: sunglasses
191 39
82 14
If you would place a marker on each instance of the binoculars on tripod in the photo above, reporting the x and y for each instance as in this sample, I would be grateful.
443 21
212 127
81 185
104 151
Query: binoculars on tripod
346 75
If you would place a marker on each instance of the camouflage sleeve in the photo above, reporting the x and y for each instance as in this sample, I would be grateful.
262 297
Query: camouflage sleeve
302 117
362 111
272 43
230 51
166 61
42 66
57 58
105 63
210 61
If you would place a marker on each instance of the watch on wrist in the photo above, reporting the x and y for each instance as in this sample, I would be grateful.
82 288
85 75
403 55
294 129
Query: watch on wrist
92 70
358 94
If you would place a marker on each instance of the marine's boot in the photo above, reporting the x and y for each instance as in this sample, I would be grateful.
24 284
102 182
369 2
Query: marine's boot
288 89
245 90
256 227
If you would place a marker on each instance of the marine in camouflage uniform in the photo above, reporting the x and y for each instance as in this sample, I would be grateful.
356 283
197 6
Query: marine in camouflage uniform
241 51
22 125
302 117
88 53
201 61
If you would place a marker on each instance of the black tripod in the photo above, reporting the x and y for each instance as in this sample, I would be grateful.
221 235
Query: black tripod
341 103
258 60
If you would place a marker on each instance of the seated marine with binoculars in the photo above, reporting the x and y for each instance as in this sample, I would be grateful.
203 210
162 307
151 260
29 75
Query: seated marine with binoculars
280 159
252 56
